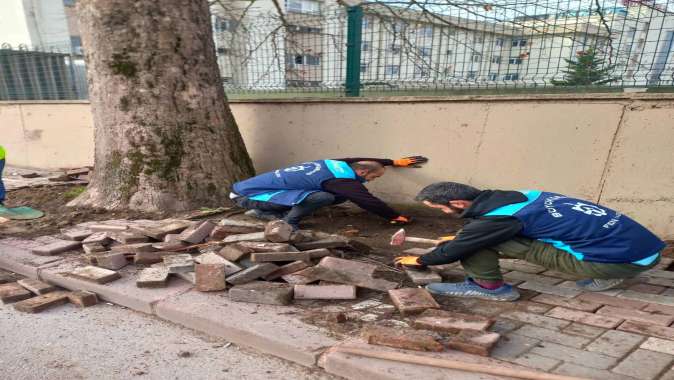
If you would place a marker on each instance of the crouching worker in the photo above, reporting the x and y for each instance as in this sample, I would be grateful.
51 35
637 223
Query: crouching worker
600 246
295 192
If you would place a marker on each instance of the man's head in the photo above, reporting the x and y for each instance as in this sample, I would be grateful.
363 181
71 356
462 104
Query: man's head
369 170
449 197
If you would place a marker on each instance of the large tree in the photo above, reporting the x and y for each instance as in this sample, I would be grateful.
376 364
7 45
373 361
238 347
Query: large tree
165 138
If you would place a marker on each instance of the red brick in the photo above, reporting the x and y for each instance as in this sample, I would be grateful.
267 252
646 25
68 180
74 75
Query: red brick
278 231
570 303
262 292
127 237
171 245
43 302
260 257
197 234
646 288
656 308
647 329
78 234
401 338
35 286
287 269
325 292
473 342
234 252
108 227
210 277
160 232
583 317
98 237
612 301
82 298
636 315
447 321
251 237
13 292
134 248
56 247
112 261
155 277
412 300
232 226
351 272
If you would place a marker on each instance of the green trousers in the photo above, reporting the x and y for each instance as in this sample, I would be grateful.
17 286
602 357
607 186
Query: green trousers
483 264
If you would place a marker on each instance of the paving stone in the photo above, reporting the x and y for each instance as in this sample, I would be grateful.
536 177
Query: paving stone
134 248
521 266
659 309
214 258
533 307
572 285
108 227
92 248
98 237
112 261
77 234
412 300
647 329
451 322
259 257
503 326
574 355
611 301
13 292
128 237
511 346
523 276
233 226
254 236
644 297
571 369
417 251
155 277
252 273
180 263
190 277
422 277
258 246
562 275
646 288
36 286
405 339
570 303
537 362
659 345
643 364
636 315
584 330
234 252
351 273
196 233
43 302
603 321
95 274
171 245
147 258
287 269
210 277
325 292
668 283
660 273
473 342
547 335
56 247
262 292
278 231
82 298
536 320
162 229
550 289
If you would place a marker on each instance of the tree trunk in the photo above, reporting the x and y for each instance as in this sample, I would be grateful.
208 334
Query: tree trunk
165 138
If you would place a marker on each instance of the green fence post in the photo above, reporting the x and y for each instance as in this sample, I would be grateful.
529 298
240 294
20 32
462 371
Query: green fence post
353 46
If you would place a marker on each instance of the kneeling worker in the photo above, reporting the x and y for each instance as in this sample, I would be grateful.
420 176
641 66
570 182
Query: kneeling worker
295 192
600 246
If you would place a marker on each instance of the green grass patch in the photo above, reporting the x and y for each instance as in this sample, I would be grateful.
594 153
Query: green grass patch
74 192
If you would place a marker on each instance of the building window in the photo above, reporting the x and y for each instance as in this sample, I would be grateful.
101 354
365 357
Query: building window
394 48
364 67
76 43
392 70
310 60
496 59
498 42
492 76
304 29
367 22
472 75
519 42
365 46
476 57
515 60
478 38
426 31
69 3
425 51
450 52
514 76
421 72
223 51
303 6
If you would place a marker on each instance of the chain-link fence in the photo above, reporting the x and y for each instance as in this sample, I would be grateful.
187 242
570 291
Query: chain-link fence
429 47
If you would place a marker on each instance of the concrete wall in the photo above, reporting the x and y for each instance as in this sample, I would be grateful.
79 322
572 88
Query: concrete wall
615 149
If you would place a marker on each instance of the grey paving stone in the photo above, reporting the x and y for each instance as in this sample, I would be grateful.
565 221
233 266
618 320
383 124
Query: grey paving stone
584 330
537 361
654 298
571 369
615 343
665 346
537 320
550 289
503 326
574 355
644 364
547 335
572 285
510 346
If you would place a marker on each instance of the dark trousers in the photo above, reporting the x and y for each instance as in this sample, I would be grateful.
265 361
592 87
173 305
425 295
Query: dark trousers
293 214
2 185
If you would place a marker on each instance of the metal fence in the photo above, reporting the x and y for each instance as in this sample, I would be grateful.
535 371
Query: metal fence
429 47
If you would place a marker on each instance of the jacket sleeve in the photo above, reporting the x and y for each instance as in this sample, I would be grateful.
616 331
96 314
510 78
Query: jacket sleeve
358 194
478 234
383 161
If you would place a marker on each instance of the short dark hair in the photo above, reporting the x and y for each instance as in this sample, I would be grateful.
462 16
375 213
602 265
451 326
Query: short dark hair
370 166
443 192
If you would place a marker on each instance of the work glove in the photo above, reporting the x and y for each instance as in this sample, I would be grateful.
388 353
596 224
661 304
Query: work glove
411 262
410 162
401 220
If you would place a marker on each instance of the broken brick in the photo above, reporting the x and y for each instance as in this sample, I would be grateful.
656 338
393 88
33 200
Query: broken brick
36 286
98 237
197 234
278 231
190 277
262 292
232 226
298 278
267 247
210 277
112 261
325 292
400 338
77 234
422 277
56 247
252 273
83 298
172 245
179 263
451 322
129 238
219 233
154 277
412 300
43 302
350 272
234 252
286 270
133 248
95 274
214 258
13 292
147 258
254 236
160 232
473 342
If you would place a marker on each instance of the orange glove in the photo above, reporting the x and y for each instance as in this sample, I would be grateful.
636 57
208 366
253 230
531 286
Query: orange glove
401 220
414 161
411 262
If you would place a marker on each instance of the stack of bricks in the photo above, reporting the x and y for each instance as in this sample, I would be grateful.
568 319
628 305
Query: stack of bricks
33 296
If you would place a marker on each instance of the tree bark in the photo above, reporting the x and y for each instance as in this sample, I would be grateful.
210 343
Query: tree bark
165 138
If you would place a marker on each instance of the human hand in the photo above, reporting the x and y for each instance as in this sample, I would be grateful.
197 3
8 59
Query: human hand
412 161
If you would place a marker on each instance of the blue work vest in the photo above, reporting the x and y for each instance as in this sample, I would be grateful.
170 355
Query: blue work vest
584 229
290 185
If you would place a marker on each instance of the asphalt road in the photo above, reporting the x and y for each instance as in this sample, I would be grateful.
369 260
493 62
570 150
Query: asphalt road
110 342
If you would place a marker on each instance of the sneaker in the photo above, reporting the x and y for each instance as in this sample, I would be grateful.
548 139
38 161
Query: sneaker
598 285
263 215
469 289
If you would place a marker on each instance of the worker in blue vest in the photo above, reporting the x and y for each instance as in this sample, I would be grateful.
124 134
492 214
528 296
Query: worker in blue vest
2 167
600 246
296 191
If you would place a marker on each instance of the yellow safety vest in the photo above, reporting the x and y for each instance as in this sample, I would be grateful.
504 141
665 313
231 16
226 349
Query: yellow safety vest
2 153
